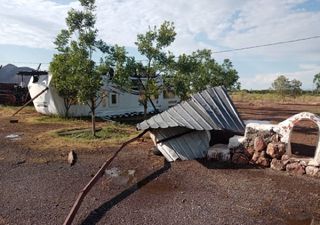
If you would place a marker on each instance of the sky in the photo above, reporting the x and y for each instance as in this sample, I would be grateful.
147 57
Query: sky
29 27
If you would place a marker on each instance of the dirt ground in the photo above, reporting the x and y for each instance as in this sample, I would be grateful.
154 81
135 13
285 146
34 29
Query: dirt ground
39 187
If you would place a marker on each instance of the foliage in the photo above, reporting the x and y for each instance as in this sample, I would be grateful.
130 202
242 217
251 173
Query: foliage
152 45
193 73
295 88
73 67
283 86
316 81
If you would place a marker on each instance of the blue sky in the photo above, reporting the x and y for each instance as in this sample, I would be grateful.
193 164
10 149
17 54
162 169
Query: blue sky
28 28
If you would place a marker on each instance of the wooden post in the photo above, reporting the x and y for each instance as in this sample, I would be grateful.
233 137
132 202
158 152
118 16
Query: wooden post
94 180
22 107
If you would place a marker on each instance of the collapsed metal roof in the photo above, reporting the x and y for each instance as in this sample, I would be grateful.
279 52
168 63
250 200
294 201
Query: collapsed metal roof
211 109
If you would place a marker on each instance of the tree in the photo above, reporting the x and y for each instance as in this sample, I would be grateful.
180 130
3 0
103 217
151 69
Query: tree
295 87
73 65
152 45
281 85
316 81
195 72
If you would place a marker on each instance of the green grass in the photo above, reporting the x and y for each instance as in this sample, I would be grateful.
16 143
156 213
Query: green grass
111 133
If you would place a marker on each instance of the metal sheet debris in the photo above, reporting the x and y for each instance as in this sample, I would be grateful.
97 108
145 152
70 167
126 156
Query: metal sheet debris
182 132
207 110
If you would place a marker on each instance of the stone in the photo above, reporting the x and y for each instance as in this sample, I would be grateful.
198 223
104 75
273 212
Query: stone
285 159
259 144
219 152
72 158
263 161
277 164
276 150
295 168
240 159
249 152
313 171
255 156
235 141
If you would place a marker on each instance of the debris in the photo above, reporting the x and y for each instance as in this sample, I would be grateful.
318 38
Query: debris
240 159
277 164
185 130
21 162
14 137
313 171
259 144
72 158
219 152
94 180
276 149
295 168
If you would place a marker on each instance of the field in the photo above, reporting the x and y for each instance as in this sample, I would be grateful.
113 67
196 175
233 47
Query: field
39 187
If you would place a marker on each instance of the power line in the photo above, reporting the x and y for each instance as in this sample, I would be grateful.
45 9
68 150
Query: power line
269 44
215 52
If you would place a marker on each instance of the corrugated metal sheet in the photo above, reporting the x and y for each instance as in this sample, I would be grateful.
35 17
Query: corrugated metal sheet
208 110
191 145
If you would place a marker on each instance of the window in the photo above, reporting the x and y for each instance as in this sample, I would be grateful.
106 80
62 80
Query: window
113 99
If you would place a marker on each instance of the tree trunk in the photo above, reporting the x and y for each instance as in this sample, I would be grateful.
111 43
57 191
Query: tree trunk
67 107
145 107
93 117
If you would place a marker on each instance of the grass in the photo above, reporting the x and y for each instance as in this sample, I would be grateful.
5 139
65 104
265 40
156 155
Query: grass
46 132
109 133
275 98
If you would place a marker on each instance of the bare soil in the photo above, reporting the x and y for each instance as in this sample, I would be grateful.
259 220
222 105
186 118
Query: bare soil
39 187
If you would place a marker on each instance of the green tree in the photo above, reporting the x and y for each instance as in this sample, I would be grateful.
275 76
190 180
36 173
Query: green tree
281 85
316 81
76 45
152 45
295 87
195 72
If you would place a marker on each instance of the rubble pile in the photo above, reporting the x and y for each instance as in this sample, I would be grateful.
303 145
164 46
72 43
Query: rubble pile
263 145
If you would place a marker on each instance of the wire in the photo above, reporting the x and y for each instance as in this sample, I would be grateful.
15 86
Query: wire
217 52
269 44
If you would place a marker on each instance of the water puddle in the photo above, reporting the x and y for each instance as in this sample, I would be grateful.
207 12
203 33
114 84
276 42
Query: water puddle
14 137
120 178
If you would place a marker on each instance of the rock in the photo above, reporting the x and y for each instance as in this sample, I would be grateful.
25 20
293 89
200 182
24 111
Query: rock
295 168
313 171
277 165
156 151
263 161
219 152
276 150
259 144
285 159
72 158
255 156
249 152
240 159
235 141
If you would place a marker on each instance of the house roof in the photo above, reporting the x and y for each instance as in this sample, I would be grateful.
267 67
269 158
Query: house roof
211 109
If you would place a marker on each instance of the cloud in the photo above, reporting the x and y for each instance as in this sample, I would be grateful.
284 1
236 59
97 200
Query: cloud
305 74
220 25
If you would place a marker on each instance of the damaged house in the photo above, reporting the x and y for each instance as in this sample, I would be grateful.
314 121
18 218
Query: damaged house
187 130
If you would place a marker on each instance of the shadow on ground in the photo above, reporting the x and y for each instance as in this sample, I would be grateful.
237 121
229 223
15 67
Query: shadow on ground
97 214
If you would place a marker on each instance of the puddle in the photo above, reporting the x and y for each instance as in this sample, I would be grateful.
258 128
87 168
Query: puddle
120 178
14 137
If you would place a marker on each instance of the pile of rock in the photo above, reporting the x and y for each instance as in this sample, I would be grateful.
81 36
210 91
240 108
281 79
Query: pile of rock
265 149
259 147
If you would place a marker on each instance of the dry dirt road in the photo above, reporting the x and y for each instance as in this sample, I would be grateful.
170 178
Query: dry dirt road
39 187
